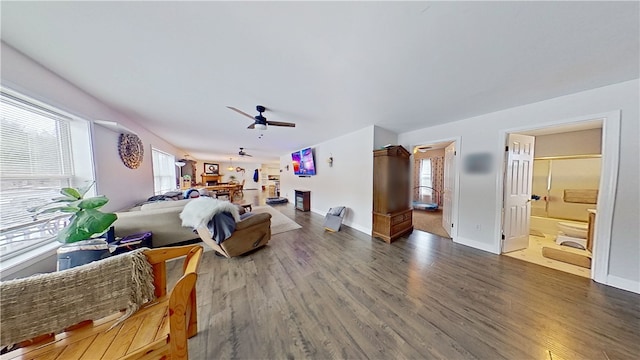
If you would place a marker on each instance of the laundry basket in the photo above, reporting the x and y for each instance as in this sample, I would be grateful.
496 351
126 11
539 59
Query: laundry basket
333 219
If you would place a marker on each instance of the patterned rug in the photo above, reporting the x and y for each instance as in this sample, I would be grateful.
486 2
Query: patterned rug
279 222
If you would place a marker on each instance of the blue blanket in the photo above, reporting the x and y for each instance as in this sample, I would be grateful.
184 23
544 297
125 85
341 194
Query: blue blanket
221 227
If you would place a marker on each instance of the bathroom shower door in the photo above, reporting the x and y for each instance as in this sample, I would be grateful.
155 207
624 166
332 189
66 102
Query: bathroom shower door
516 210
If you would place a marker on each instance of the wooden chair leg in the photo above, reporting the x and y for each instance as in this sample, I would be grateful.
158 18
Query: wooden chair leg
192 328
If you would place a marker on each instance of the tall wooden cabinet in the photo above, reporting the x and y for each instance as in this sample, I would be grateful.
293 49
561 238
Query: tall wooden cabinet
392 213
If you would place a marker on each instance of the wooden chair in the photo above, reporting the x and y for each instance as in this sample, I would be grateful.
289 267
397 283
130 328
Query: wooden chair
237 191
222 194
159 330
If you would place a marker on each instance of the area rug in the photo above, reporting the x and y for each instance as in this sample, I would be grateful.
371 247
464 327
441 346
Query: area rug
279 222
429 221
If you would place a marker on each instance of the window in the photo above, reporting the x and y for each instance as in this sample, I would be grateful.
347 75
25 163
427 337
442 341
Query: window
426 191
164 171
36 161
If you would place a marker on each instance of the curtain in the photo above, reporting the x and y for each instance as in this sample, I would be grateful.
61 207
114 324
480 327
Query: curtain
417 170
437 178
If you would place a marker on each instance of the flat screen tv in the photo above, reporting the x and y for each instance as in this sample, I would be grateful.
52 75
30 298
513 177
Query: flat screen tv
303 164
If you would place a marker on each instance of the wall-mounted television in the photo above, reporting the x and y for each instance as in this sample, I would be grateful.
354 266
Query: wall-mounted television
303 164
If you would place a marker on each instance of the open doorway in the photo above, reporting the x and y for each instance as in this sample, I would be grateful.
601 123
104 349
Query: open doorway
433 187
557 206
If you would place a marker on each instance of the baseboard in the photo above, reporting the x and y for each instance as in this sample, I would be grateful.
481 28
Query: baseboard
475 244
624 284
362 229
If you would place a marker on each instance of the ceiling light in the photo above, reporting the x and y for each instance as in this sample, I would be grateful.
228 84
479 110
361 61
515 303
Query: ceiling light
230 168
261 126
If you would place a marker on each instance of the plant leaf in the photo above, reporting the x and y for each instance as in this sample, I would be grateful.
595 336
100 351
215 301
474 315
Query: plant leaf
71 192
93 203
63 198
83 190
66 209
54 201
85 225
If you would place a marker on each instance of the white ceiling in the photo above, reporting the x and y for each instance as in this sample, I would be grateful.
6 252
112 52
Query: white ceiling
330 67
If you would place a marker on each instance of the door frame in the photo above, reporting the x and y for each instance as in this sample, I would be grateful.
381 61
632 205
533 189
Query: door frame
457 140
606 191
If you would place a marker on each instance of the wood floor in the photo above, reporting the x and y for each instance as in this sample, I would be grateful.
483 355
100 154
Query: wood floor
314 294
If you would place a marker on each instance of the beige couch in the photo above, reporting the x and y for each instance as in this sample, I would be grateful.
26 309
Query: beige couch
161 218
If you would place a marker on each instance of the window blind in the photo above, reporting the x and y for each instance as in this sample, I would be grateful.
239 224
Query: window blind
35 162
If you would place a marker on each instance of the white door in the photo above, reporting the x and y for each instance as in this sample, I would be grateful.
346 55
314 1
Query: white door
517 193
448 186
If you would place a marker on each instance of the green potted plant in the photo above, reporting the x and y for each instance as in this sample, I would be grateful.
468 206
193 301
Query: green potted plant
86 223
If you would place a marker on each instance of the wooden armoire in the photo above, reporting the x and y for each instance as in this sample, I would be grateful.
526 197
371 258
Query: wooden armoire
392 213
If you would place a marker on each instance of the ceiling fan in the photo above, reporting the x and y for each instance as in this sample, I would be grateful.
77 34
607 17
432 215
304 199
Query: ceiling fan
260 122
243 153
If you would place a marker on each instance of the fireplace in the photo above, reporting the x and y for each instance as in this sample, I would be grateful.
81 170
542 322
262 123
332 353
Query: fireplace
211 180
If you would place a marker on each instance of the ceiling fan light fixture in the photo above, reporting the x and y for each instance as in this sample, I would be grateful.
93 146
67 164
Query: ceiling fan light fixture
261 126
422 149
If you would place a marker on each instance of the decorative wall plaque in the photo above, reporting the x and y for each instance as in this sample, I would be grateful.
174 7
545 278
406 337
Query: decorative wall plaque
131 150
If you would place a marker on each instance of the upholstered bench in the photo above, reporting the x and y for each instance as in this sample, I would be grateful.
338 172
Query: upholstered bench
44 314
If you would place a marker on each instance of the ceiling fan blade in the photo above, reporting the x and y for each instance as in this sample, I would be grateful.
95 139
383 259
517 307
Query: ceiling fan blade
241 112
252 126
248 155
280 123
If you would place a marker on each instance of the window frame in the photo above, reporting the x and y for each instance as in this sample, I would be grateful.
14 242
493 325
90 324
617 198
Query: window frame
79 142
170 164
425 192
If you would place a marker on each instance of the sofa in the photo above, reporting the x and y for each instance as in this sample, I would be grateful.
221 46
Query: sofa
251 233
162 218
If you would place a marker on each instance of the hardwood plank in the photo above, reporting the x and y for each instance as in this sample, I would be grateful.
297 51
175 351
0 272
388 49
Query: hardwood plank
316 294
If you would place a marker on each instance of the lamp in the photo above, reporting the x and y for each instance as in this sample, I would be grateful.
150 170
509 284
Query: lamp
230 168
182 162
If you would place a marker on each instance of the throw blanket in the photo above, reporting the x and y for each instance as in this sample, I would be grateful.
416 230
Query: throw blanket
217 215
47 303
221 227
198 212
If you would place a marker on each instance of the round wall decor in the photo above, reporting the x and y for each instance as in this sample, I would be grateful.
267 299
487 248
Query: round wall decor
131 150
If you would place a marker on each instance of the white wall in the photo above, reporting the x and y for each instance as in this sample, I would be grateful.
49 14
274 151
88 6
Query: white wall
347 183
382 137
478 193
122 185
